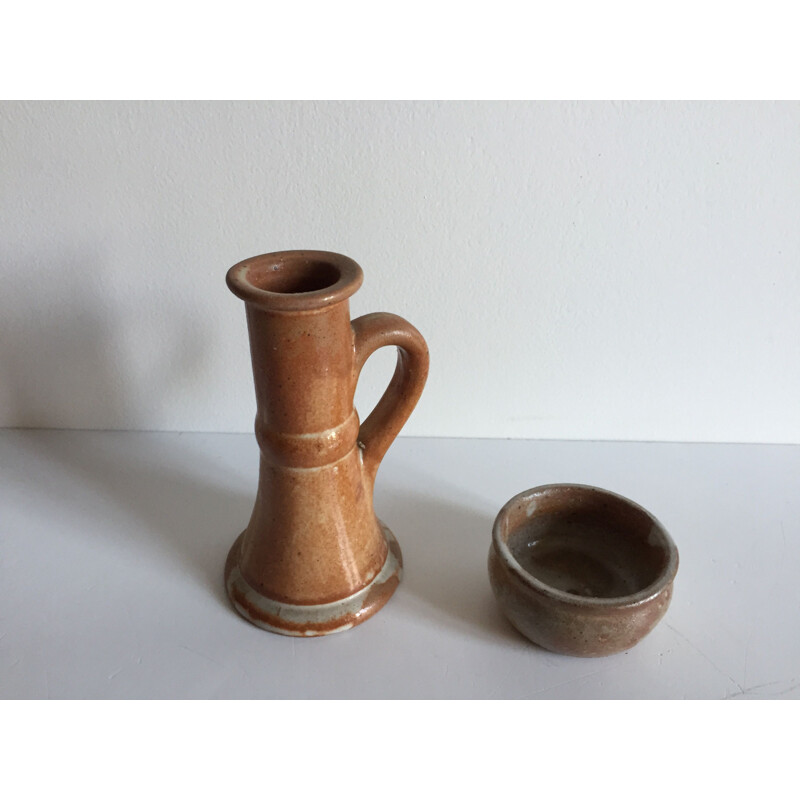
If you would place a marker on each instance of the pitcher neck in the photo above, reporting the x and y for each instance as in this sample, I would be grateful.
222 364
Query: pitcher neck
301 341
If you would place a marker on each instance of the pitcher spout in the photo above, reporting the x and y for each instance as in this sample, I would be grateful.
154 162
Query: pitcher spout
296 280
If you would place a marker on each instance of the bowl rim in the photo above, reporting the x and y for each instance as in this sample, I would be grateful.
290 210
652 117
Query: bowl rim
664 578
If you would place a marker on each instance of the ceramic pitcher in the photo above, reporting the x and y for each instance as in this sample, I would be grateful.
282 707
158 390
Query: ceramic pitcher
314 558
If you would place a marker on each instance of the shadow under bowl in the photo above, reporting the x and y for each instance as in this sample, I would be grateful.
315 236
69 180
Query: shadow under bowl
580 570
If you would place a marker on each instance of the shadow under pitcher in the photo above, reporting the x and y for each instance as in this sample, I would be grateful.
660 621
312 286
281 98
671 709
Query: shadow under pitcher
314 558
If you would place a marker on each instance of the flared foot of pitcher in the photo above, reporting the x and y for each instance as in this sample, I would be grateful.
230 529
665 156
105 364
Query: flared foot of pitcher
314 620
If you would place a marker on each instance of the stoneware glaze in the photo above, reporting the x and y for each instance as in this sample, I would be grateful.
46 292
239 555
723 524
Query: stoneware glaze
579 570
314 558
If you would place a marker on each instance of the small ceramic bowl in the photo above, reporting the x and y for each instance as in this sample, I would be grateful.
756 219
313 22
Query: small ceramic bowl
580 570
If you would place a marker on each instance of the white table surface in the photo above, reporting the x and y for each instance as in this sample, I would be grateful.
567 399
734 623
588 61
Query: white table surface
112 546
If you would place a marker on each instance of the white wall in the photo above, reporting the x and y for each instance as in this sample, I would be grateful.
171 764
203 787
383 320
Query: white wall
580 270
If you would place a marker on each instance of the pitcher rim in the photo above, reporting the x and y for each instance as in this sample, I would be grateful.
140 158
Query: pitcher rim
339 277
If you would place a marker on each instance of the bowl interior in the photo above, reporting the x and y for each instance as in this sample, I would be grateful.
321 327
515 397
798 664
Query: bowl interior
586 542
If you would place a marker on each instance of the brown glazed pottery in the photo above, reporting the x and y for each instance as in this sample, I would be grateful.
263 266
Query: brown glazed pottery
579 570
314 558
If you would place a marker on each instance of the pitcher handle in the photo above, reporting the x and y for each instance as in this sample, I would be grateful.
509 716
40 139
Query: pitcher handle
379 429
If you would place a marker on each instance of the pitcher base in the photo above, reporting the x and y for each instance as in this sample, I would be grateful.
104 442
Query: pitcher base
314 620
